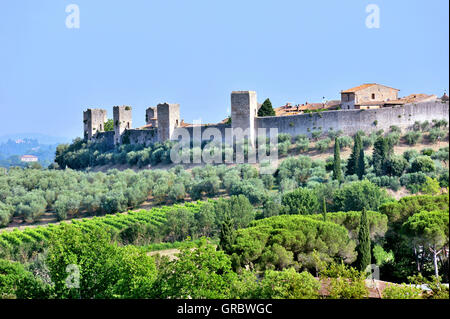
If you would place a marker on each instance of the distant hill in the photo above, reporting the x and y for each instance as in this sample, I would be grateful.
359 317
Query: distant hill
41 138
13 146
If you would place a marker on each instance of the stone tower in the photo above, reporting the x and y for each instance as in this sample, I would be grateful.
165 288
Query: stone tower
151 116
122 121
244 109
94 121
168 116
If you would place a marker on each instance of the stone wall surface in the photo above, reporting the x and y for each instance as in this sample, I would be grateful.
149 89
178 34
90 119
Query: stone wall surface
123 120
244 108
168 116
106 137
382 93
151 116
202 133
350 121
94 121
145 137
243 116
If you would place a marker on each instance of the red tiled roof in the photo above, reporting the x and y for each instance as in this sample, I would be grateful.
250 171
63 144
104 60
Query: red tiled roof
364 86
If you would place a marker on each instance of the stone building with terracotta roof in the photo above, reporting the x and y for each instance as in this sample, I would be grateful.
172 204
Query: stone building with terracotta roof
367 96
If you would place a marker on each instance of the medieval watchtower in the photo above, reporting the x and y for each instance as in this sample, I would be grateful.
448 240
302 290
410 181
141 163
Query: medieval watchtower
151 116
94 121
244 109
122 118
168 116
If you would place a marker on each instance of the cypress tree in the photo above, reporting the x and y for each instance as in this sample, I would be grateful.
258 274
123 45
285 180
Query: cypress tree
227 235
361 168
383 149
354 157
364 248
337 170
324 210
266 109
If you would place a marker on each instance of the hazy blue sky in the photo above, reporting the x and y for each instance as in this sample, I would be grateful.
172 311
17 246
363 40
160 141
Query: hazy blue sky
196 52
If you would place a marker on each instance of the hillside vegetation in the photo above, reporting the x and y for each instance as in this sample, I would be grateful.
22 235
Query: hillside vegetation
27 194
309 230
286 256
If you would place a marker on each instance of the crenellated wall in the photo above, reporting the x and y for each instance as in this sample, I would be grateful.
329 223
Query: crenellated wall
244 109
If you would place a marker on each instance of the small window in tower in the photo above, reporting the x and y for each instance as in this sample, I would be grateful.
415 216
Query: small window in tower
373 96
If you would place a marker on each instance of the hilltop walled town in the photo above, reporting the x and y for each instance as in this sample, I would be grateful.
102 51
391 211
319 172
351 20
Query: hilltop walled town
368 107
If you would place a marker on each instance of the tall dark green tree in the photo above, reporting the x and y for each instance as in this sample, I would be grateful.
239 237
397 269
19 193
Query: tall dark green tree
383 148
361 167
337 170
227 235
354 157
324 209
266 109
364 246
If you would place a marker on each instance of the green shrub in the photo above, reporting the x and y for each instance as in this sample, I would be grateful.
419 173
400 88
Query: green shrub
355 196
409 155
428 151
395 129
422 164
316 134
430 187
425 126
323 145
394 137
442 154
18 283
289 284
402 291
381 256
300 201
413 181
345 141
413 137
283 148
344 282
443 179
395 165
283 137
436 134
302 143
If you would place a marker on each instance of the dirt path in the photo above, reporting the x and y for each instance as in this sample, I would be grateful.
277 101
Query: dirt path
171 253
